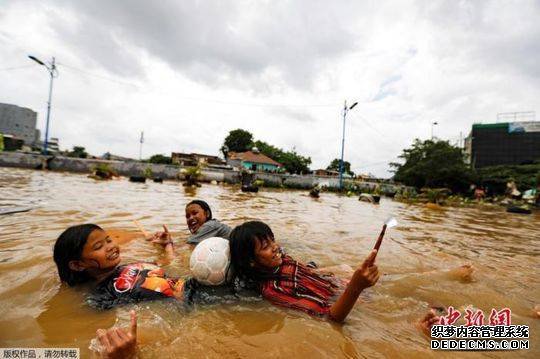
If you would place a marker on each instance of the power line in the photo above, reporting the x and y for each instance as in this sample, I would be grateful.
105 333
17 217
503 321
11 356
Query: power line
208 100
99 76
381 136
16 67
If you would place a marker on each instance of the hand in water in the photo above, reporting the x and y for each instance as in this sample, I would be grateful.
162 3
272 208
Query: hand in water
367 274
117 342
162 238
427 322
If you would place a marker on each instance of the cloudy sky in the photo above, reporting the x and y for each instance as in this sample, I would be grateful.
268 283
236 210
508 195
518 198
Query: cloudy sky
187 72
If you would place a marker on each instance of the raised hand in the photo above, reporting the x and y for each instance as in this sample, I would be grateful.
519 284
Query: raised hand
119 343
367 274
162 238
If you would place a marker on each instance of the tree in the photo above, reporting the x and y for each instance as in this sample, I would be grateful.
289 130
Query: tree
292 161
334 166
240 141
237 141
78 152
433 164
160 159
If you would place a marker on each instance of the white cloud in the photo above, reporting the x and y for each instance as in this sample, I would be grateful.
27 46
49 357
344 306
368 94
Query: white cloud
188 72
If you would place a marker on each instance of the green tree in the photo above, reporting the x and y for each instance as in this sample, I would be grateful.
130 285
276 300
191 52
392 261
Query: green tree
237 141
292 161
433 164
334 166
268 150
78 152
160 159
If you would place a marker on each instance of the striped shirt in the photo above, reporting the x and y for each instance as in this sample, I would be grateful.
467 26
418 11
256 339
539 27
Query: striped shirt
300 287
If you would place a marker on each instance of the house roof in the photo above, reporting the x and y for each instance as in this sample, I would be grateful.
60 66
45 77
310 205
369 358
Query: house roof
252 157
192 155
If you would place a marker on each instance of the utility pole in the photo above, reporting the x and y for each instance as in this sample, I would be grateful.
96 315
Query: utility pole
51 68
141 141
345 110
433 124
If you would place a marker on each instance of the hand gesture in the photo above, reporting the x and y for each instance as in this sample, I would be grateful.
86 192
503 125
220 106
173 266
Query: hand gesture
162 238
427 322
119 343
367 274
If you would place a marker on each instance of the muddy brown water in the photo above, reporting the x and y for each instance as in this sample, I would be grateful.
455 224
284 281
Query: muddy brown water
36 311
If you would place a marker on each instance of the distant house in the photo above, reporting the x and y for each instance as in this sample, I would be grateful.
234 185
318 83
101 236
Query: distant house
326 173
253 160
330 173
194 159
111 157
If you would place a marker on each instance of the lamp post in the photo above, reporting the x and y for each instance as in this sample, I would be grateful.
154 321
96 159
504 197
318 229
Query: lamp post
432 125
141 141
53 72
345 110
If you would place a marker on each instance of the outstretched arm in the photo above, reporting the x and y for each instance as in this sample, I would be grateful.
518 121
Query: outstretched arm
365 276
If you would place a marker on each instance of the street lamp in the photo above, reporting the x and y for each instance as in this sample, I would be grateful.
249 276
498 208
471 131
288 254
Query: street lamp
53 72
432 125
345 110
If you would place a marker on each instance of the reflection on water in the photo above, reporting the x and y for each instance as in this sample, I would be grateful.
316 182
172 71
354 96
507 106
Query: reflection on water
35 311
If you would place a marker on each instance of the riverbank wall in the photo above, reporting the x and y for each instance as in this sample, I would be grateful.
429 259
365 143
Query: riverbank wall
167 172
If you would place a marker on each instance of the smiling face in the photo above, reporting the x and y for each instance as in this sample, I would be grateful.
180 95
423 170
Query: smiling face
267 253
195 217
100 252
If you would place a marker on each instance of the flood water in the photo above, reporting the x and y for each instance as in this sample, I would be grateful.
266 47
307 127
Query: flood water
36 311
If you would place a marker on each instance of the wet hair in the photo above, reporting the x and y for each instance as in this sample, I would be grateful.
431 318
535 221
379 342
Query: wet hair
204 206
69 247
242 242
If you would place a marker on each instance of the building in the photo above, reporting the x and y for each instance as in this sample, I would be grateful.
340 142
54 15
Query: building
53 145
326 173
10 143
508 143
112 157
19 122
194 159
253 160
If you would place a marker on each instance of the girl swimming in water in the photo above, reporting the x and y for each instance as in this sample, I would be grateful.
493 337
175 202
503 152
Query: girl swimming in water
259 262
87 254
202 225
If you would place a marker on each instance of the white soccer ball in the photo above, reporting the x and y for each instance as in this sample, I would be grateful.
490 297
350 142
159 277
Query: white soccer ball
210 261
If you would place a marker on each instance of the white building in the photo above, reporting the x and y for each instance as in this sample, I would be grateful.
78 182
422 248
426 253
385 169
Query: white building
19 122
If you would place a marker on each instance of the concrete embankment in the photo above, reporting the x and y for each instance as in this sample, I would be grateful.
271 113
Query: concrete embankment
171 172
